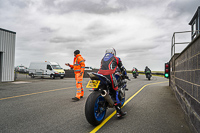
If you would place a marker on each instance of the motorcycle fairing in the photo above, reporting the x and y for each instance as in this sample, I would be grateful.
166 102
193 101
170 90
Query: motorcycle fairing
96 76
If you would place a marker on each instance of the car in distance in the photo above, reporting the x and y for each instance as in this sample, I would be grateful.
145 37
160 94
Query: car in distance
21 69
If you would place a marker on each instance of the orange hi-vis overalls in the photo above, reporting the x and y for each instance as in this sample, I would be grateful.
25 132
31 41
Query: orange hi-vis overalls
79 67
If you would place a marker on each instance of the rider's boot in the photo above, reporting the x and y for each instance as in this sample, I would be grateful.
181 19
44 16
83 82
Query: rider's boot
119 112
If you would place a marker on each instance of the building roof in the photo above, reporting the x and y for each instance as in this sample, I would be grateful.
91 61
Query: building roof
8 31
195 15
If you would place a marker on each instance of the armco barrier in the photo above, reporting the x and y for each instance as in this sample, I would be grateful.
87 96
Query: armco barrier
153 73
70 73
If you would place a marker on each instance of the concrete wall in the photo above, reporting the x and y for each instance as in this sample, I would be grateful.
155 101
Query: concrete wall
185 81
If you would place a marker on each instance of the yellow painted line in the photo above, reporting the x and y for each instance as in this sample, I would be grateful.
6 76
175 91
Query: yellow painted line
103 123
34 93
110 116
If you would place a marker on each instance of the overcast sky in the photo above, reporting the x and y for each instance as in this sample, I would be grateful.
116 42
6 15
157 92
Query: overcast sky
139 30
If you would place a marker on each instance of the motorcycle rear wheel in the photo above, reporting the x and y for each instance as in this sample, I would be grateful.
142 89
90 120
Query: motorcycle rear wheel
94 111
134 75
149 77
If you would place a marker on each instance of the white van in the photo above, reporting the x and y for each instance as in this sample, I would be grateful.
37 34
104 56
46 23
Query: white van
88 68
46 69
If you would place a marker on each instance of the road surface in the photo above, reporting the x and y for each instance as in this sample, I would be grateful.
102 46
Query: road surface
45 105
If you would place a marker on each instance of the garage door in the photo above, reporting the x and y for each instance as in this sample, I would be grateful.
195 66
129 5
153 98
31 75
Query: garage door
1 62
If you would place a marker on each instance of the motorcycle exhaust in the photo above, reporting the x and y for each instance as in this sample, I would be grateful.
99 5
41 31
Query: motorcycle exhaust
107 98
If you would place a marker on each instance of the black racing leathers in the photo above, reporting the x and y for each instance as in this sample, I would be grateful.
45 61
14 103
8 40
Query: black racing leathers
109 65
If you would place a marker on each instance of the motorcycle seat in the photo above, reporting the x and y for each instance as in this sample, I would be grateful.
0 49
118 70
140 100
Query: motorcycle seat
96 76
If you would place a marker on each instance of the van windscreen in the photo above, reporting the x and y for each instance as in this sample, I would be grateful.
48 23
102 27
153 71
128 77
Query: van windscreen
56 66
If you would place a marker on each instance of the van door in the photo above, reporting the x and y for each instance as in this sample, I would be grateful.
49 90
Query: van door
49 70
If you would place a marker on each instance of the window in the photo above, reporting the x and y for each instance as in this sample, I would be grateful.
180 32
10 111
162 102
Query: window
194 33
194 28
49 67
56 67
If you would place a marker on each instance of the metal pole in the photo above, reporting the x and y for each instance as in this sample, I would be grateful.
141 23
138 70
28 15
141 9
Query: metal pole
15 74
174 43
172 46
174 38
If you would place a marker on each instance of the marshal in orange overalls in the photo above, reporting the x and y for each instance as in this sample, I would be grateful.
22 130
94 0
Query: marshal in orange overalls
79 67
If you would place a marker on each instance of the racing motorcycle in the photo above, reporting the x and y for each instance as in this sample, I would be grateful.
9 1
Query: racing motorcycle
134 74
148 75
103 96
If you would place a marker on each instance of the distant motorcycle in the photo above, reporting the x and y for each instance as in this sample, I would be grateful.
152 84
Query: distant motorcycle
102 97
134 74
148 75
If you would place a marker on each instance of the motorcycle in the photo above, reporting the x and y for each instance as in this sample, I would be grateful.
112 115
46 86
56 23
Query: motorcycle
134 74
102 96
148 75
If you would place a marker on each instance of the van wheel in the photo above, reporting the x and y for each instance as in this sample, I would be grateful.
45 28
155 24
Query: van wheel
61 77
32 75
52 76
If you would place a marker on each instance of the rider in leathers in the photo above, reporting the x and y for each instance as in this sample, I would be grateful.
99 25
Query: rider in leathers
147 69
109 65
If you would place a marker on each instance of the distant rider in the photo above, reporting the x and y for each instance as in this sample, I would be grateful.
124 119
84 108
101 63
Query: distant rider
136 70
109 64
147 69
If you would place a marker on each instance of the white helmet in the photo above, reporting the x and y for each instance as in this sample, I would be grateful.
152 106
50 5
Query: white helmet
111 50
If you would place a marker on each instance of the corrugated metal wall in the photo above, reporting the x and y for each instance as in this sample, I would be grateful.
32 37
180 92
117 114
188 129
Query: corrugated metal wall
7 51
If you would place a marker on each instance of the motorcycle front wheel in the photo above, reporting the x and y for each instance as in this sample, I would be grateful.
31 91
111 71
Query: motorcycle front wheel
95 109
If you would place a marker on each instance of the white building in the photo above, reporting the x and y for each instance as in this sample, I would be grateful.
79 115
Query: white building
7 55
